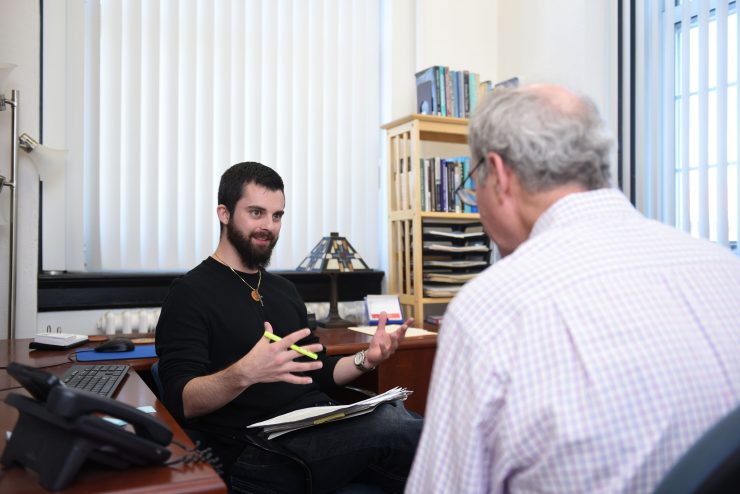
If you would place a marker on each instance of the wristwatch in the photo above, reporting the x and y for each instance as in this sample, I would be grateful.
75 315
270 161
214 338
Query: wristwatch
360 362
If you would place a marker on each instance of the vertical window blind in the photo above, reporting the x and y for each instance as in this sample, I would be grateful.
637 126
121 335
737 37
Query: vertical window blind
688 126
178 90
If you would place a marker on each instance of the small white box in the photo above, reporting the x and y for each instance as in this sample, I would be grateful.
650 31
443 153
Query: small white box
375 304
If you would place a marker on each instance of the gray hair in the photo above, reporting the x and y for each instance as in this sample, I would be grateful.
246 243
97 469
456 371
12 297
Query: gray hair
547 143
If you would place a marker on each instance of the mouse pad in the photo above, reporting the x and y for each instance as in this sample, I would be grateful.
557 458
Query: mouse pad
140 351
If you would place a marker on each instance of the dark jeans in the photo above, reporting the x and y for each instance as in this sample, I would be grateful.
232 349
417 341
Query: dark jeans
376 448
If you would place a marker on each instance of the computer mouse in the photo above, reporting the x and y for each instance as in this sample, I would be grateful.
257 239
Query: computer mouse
115 345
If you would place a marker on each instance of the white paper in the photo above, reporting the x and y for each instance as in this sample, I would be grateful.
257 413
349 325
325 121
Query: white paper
391 328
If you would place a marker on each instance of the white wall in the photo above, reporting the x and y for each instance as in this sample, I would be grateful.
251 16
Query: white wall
571 42
459 34
19 44
565 41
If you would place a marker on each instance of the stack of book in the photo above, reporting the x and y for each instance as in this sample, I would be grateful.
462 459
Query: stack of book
452 93
440 178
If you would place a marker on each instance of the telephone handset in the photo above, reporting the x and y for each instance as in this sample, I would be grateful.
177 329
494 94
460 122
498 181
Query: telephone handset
61 428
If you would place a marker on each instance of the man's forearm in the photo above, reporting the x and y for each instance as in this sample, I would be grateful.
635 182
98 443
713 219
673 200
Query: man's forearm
345 371
206 394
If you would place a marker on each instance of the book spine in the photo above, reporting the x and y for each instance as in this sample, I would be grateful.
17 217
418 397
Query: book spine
442 92
443 189
422 194
466 92
437 184
461 102
448 92
427 185
465 171
458 182
473 91
436 91
425 91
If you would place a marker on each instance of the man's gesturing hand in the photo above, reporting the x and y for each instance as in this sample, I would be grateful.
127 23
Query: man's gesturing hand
271 362
384 344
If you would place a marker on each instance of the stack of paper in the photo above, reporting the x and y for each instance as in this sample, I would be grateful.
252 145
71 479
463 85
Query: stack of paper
308 417
391 328
455 248
449 277
441 291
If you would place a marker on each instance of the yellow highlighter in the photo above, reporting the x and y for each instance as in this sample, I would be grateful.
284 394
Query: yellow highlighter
274 337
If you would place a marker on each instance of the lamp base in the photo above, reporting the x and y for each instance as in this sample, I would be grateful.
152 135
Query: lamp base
334 321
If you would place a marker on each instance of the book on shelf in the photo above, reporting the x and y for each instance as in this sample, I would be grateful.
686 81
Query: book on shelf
442 90
439 179
426 91
473 90
512 82
446 92
432 319
453 93
449 92
466 93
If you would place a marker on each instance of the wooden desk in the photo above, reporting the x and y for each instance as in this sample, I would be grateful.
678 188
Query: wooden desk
18 351
410 366
200 478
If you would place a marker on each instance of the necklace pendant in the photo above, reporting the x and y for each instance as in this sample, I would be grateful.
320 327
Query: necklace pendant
256 296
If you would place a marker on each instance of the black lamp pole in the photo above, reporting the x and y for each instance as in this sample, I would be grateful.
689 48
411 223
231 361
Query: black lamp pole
333 320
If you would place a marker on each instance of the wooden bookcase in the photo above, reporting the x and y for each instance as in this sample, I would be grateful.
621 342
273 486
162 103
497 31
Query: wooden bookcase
407 222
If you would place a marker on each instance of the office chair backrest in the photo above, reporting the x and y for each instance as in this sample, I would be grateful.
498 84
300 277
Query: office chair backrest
157 380
712 464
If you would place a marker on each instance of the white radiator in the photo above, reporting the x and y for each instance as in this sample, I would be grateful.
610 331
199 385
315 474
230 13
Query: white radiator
128 321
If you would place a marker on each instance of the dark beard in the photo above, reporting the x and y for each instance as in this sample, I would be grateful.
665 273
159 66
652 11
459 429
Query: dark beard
251 257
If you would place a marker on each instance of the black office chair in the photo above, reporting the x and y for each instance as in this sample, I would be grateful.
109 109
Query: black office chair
711 465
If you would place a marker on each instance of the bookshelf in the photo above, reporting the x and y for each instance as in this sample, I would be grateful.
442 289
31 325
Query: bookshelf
427 246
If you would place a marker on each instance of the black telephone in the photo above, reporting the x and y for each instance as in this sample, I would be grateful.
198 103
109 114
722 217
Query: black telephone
61 428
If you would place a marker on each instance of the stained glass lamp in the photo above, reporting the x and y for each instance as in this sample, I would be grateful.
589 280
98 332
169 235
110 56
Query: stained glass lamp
333 255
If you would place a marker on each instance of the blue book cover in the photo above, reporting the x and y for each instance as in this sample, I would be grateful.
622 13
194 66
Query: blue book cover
442 92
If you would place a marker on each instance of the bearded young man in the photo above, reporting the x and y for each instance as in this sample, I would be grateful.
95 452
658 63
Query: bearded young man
220 374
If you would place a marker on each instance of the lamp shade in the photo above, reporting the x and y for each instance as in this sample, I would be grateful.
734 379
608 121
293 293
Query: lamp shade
49 162
333 254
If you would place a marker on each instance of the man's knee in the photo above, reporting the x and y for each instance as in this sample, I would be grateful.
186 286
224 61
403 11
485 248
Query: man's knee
262 472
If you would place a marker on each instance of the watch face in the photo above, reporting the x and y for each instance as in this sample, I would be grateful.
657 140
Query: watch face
359 358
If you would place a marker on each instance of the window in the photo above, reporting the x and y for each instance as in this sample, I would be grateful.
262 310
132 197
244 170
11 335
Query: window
163 96
688 125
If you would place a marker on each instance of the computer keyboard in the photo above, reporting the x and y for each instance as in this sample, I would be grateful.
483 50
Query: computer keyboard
101 379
